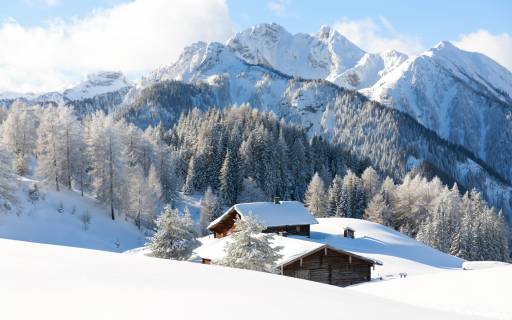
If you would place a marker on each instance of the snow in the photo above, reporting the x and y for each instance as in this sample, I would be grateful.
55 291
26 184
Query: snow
397 252
477 292
477 265
53 282
213 248
97 84
41 222
286 213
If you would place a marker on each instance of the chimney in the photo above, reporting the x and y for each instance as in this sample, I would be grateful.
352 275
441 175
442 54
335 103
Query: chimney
277 200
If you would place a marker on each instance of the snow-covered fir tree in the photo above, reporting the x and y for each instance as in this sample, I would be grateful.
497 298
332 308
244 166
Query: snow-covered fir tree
249 248
229 179
334 208
174 237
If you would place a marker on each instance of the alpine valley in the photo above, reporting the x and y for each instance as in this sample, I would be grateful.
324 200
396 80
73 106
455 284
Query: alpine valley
444 112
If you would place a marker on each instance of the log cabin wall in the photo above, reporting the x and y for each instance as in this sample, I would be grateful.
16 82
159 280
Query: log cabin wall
226 226
330 267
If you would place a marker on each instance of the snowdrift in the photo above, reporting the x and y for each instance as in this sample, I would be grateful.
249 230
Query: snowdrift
397 252
482 292
52 282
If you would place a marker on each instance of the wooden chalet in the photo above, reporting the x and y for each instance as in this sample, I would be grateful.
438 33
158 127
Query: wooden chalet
307 260
285 217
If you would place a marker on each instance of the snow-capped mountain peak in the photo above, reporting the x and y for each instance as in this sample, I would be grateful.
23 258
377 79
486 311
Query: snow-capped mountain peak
97 84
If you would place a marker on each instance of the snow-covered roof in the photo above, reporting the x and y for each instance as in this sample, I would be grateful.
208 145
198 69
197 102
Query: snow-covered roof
293 248
286 213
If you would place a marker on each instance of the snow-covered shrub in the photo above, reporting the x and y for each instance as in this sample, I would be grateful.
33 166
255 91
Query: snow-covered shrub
175 237
250 249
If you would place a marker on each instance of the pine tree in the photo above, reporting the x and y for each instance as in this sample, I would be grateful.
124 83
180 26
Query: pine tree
250 249
371 182
315 198
188 187
334 197
175 236
229 179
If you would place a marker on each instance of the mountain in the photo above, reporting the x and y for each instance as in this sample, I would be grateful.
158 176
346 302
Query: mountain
100 91
207 75
463 96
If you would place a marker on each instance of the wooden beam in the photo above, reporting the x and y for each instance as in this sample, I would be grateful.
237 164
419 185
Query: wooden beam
325 250
350 259
301 262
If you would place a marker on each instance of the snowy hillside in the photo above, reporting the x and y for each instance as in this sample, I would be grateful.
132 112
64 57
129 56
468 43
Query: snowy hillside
59 283
40 221
475 292
397 252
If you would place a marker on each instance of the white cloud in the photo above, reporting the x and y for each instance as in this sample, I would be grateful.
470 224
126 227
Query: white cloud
378 36
496 46
51 2
278 7
133 37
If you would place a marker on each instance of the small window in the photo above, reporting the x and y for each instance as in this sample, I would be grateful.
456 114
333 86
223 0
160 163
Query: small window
297 228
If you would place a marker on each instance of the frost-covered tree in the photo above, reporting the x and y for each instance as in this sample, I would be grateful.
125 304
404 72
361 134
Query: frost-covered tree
7 198
49 147
334 208
106 150
174 237
19 135
315 199
211 209
378 210
371 182
143 200
353 200
190 180
249 248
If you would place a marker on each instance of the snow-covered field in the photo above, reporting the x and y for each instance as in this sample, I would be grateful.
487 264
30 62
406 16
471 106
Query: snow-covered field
397 252
41 281
40 221
484 292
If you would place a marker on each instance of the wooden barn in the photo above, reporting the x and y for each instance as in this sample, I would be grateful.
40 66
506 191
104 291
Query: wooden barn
307 260
285 217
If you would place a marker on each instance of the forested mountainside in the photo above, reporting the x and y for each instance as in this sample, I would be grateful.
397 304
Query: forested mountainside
389 140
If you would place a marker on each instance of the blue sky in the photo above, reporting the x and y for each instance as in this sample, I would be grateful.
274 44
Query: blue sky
58 41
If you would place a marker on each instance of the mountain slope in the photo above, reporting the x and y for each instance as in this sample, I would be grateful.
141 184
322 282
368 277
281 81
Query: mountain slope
462 96
87 284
